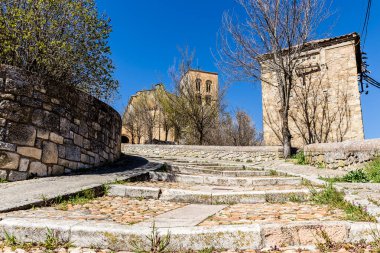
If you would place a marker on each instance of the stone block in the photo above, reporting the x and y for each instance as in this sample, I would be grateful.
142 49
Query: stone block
38 169
22 134
61 151
3 174
30 152
56 138
78 140
7 146
73 153
24 164
3 122
17 176
57 170
49 152
43 134
9 160
85 158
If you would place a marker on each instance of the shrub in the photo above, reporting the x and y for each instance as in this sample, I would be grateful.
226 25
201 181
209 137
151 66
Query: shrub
61 40
356 176
300 158
373 170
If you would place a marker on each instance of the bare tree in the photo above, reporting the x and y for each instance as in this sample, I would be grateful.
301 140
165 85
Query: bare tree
268 44
317 116
146 109
244 132
129 123
320 117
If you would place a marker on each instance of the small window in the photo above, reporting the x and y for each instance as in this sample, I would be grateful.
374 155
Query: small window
208 86
198 84
208 100
199 99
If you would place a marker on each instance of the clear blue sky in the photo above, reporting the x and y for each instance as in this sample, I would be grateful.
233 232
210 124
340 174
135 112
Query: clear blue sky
147 33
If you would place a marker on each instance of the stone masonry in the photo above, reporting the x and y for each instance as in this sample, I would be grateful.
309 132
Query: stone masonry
331 66
227 153
48 129
345 155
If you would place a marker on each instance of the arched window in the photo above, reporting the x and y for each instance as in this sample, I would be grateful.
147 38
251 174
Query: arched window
198 83
208 86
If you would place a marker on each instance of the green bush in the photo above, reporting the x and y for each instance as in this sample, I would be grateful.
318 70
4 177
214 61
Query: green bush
370 173
300 158
356 176
373 170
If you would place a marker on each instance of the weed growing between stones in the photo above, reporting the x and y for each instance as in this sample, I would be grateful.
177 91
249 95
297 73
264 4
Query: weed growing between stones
3 181
157 242
78 199
370 173
373 170
52 241
335 199
299 158
328 245
273 173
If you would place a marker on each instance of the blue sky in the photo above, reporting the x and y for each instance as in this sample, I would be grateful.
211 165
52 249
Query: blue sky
147 33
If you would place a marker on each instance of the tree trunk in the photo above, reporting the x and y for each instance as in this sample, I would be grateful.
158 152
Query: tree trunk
286 135
200 138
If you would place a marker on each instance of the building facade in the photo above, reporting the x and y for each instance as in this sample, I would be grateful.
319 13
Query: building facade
325 102
204 85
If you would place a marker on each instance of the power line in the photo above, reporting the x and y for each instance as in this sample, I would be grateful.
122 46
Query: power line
366 22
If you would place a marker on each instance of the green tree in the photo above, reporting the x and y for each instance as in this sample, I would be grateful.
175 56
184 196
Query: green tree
61 40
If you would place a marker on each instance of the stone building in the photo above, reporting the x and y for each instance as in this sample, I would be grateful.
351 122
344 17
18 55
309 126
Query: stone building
146 101
205 86
325 103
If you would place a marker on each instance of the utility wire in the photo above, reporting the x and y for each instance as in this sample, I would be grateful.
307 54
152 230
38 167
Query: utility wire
366 22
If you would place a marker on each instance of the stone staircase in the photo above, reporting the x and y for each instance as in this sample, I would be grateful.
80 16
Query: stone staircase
214 183
202 204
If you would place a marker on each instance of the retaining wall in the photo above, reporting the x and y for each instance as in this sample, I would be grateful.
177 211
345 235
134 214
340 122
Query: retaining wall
244 154
345 155
48 129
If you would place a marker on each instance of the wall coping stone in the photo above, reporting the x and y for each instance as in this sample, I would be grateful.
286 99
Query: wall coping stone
210 148
346 146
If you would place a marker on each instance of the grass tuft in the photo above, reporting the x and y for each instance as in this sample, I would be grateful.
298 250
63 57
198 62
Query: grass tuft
335 199
370 173
78 199
299 158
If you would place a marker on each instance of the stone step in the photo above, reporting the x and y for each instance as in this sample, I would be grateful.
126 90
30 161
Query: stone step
219 172
223 181
210 196
247 197
217 168
119 237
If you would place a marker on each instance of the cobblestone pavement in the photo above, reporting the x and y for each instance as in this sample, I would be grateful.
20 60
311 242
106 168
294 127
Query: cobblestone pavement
264 212
112 209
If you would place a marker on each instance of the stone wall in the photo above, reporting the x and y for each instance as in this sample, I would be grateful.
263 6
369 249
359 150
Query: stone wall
244 154
347 155
47 130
